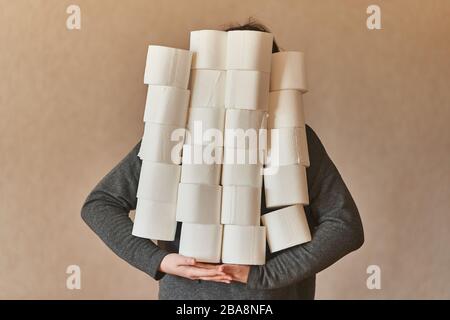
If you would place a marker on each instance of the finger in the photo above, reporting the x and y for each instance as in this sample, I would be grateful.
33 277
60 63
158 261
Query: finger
194 272
207 265
214 278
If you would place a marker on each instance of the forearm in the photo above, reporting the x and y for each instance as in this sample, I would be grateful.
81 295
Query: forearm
113 225
106 212
334 221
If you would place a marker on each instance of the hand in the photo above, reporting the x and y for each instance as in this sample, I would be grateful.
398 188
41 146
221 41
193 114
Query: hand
237 272
178 265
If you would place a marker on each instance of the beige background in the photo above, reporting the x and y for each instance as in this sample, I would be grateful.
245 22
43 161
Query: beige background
71 106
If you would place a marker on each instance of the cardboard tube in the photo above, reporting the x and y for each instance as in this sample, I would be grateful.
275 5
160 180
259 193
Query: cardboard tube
207 88
286 109
158 181
246 89
154 220
245 129
167 67
249 50
162 143
199 203
198 154
286 228
288 71
288 146
242 175
285 185
241 205
210 49
200 173
166 105
244 245
201 241
205 126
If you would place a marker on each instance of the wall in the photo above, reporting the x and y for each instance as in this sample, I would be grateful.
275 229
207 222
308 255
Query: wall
71 105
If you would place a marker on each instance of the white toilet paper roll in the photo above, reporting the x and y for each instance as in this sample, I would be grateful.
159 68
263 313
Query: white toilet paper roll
207 88
249 50
162 143
198 154
158 181
241 205
286 228
247 89
210 49
242 175
245 129
205 126
166 105
234 156
200 173
155 220
285 185
199 203
288 146
201 241
286 109
244 245
288 71
167 67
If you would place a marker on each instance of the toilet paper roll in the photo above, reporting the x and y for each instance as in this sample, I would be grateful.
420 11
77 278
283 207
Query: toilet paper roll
285 185
241 205
166 105
200 173
244 245
205 126
286 228
288 71
198 154
245 129
207 88
158 181
246 89
199 203
155 220
249 50
167 67
286 109
288 146
162 143
234 156
201 241
210 49
242 175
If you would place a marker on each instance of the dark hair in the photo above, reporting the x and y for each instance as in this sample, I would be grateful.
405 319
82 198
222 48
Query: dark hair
253 25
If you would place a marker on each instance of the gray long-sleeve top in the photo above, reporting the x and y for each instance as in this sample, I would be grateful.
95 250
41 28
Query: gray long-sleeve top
289 274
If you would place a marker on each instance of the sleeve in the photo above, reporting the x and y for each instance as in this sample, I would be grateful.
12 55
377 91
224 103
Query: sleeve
106 212
338 228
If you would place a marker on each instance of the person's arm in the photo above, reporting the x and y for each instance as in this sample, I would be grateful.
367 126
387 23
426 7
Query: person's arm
338 232
106 211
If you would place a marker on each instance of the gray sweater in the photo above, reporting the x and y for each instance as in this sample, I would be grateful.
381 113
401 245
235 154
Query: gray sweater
289 274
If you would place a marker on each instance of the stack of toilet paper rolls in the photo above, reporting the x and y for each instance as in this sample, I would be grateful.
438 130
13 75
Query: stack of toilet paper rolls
200 192
246 103
167 73
285 180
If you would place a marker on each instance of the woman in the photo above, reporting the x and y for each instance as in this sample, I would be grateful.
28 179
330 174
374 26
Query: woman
289 274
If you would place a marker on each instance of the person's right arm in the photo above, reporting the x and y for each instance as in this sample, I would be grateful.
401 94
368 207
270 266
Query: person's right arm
106 211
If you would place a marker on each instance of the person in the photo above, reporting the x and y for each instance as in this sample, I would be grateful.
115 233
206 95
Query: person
288 274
